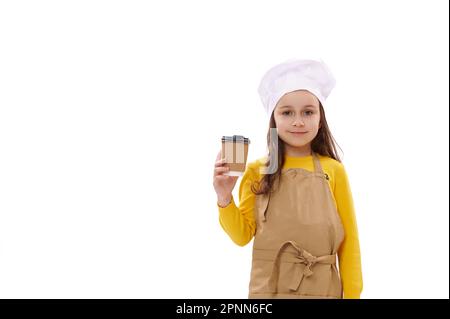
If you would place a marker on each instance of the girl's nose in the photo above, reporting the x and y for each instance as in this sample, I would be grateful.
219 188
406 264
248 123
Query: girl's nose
298 121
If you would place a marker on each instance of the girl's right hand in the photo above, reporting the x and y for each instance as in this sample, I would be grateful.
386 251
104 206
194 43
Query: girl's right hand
223 184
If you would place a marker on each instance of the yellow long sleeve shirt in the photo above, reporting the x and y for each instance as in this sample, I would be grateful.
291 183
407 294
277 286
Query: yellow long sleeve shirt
239 222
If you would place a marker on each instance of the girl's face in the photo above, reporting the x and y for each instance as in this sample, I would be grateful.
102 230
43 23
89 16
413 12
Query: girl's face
297 117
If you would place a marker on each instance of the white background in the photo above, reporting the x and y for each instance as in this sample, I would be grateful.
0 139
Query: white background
111 114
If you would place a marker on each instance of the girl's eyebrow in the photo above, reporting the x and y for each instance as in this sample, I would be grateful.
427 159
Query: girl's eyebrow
306 106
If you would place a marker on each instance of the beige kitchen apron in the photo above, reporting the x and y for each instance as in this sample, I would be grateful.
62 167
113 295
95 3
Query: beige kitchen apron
298 234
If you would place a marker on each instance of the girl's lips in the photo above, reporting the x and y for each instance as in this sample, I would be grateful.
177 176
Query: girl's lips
298 133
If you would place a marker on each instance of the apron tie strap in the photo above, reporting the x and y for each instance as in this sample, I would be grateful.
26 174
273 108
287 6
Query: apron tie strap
304 261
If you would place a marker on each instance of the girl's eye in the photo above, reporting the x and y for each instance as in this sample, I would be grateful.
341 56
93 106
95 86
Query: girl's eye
286 112
309 112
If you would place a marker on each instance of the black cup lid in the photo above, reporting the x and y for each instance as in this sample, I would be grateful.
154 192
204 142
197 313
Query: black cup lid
236 138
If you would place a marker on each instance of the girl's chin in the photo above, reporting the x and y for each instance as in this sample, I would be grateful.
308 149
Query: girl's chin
297 143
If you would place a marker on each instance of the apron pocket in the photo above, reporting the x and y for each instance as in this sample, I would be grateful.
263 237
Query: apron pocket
261 270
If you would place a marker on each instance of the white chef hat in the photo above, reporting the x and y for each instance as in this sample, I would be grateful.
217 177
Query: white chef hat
292 75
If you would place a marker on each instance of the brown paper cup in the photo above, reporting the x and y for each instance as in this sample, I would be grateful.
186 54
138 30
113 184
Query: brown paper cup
235 151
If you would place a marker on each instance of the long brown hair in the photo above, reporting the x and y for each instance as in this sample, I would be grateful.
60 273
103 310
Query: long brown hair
323 144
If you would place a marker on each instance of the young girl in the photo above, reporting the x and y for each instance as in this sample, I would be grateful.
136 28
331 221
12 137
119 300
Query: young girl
297 203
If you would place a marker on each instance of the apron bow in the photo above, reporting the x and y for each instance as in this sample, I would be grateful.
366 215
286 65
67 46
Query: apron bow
304 261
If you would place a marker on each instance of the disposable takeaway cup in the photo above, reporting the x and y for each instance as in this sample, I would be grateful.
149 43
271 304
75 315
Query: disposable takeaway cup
235 151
